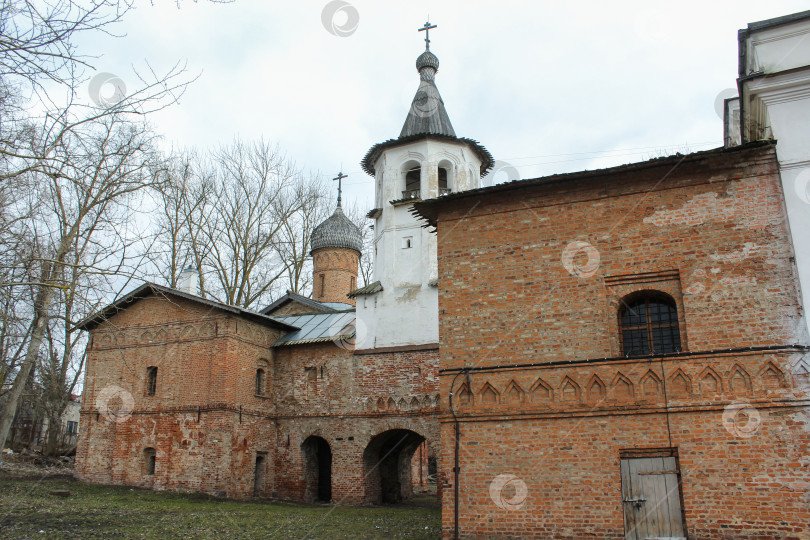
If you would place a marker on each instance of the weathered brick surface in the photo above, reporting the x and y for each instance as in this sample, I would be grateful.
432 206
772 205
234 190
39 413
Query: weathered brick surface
554 406
206 422
334 272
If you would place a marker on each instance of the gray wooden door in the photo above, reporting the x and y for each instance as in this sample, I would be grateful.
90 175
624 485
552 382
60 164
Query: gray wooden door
651 496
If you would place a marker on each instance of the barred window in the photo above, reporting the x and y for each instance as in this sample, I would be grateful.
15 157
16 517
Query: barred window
648 324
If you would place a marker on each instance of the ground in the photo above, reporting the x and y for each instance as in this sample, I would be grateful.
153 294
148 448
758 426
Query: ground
30 508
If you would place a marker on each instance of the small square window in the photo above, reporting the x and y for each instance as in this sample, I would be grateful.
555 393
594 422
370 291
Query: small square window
407 242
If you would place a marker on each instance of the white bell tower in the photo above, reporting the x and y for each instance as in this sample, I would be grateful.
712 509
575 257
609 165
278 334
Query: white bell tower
427 160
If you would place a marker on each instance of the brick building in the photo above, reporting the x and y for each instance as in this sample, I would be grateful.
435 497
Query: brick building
618 353
635 362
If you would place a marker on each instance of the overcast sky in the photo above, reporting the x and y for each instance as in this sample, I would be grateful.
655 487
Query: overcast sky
546 86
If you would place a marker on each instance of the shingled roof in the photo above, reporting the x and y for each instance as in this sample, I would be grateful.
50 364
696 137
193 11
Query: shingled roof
337 231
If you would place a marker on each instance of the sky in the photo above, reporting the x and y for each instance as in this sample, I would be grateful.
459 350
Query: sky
547 87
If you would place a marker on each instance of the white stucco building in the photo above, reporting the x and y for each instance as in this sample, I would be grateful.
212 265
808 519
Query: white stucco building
774 102
401 307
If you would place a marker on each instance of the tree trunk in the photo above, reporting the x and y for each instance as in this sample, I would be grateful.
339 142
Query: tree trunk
44 298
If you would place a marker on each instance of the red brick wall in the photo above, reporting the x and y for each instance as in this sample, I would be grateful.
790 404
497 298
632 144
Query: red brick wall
205 421
338 266
532 278
352 399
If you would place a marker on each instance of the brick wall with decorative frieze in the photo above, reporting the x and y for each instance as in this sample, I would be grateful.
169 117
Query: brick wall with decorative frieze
531 284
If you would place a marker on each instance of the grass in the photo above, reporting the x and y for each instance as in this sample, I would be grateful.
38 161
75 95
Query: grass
28 510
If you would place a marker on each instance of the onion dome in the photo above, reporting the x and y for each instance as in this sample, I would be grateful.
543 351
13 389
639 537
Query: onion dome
427 59
337 231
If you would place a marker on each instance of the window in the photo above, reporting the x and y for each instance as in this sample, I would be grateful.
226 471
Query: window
412 183
407 242
72 428
443 187
648 323
149 461
312 378
321 284
151 380
259 382
353 284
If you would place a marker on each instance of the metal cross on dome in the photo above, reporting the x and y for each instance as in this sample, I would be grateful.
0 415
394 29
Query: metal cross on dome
340 178
426 29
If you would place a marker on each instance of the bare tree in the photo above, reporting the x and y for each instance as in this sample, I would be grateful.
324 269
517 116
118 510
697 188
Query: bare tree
292 244
360 218
80 191
182 202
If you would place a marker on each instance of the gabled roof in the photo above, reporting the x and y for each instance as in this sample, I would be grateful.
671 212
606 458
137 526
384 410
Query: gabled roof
314 305
318 328
152 289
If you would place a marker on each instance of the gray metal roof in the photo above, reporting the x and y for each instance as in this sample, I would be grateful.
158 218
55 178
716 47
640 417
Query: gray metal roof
340 306
337 231
317 328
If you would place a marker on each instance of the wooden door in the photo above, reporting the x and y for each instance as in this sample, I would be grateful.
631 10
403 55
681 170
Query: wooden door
651 496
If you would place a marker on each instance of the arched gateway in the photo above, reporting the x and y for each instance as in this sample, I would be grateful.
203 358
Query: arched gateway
387 464
317 469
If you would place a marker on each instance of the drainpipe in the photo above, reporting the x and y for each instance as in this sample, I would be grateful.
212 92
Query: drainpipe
456 468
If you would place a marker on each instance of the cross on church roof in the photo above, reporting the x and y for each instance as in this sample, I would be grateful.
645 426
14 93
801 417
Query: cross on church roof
340 178
426 29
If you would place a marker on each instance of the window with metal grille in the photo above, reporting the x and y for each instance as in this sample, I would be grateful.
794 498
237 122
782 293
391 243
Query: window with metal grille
151 380
648 324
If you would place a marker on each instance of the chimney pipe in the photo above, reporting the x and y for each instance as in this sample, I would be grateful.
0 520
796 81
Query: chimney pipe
188 281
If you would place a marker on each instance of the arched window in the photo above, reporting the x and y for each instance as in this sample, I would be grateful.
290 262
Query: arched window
151 380
648 324
443 188
149 461
413 183
260 382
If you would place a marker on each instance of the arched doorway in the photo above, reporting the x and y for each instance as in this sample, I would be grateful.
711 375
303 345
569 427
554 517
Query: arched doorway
317 469
387 463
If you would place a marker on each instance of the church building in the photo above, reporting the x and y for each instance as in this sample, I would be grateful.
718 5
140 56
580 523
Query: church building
619 353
